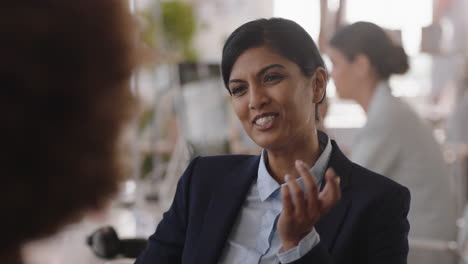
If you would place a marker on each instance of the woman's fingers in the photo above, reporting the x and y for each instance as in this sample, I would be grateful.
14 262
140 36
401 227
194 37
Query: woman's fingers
298 197
331 193
303 208
308 178
309 203
319 203
311 189
288 207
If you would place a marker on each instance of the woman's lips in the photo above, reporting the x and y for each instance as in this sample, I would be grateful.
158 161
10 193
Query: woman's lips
265 122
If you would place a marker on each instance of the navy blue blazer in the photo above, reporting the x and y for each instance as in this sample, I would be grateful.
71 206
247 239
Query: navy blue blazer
368 225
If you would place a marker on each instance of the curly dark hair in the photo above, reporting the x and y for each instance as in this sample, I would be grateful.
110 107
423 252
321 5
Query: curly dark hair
65 96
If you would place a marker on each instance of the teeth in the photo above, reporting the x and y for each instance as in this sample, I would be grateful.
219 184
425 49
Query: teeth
263 120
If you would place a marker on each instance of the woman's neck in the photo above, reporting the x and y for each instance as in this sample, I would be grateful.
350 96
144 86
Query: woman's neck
367 89
281 161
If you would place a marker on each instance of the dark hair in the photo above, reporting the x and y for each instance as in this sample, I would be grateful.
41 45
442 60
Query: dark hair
64 98
284 36
372 41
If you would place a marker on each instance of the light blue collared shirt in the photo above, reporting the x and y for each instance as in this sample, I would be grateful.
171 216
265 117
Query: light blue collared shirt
254 238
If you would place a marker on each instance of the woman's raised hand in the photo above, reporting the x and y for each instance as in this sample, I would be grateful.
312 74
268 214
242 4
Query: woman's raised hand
301 211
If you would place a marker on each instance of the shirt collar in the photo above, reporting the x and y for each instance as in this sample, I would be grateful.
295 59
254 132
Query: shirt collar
268 186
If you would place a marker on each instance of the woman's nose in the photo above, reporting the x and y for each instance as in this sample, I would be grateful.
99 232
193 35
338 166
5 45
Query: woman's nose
257 99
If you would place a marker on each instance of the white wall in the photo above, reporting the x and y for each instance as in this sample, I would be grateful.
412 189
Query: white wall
218 18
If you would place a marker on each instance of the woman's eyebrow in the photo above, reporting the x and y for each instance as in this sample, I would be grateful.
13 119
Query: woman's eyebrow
264 69
260 73
236 81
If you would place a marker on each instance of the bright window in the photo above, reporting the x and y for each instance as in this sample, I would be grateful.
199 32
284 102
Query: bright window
305 12
407 16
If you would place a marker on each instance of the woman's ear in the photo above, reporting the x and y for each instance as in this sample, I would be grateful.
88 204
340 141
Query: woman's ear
319 80
362 65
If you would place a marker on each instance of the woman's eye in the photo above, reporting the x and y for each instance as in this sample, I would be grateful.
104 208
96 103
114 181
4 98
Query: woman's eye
272 78
238 90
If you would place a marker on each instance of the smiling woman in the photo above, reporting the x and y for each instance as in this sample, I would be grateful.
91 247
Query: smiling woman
270 94
287 205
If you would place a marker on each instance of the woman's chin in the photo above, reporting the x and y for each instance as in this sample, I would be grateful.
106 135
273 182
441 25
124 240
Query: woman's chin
269 142
262 142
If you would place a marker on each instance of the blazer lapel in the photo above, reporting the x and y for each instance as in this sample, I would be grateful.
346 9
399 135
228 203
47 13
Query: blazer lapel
330 224
223 210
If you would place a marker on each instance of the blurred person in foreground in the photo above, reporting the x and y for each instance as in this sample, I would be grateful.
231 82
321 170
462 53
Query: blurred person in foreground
395 141
286 205
64 77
